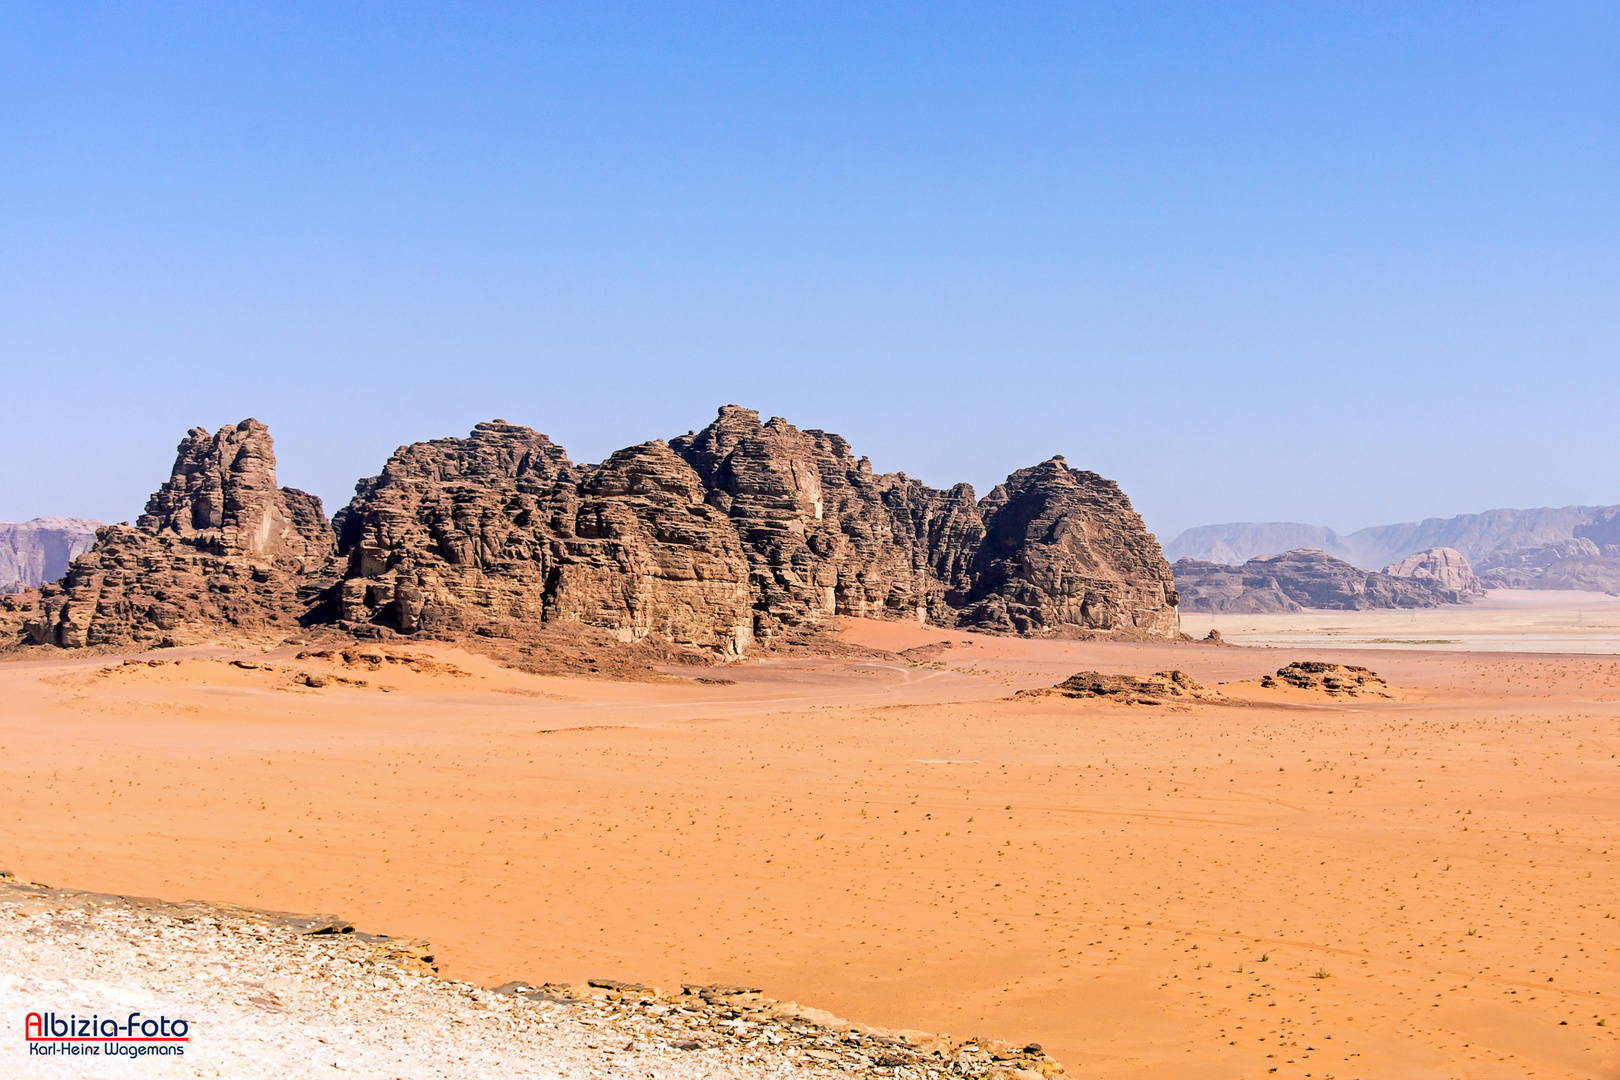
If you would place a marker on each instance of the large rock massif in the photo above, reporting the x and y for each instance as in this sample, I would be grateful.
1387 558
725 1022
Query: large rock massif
743 532
219 545
1306 578
34 552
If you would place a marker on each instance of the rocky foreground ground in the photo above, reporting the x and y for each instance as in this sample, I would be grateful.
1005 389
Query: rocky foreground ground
269 995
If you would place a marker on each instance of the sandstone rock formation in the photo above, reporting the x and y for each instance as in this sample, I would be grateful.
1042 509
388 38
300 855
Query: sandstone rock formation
1299 579
1063 548
741 532
1052 549
1339 680
1128 689
218 546
501 528
1445 568
34 552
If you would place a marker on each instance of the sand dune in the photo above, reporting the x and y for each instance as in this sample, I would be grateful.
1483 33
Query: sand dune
1414 887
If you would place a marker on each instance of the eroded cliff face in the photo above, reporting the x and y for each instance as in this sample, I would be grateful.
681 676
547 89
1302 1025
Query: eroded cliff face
1052 550
823 534
742 532
218 545
501 528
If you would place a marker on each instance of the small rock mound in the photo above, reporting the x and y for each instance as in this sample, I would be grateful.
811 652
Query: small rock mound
1129 689
1340 680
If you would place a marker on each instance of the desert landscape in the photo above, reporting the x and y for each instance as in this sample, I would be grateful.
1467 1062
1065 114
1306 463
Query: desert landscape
1252 882
645 541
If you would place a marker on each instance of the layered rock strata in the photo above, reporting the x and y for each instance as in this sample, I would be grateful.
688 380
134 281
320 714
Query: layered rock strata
1052 549
501 528
741 532
219 546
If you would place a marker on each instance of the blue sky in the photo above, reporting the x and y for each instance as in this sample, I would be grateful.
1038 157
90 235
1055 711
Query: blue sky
1337 263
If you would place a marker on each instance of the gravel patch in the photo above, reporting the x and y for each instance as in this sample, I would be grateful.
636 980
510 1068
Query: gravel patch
271 995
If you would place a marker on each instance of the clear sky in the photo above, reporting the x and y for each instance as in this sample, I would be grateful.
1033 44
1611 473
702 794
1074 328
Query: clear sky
1342 263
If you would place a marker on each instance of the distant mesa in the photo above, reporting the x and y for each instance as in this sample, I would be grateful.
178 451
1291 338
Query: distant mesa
37 551
1311 578
1572 547
742 534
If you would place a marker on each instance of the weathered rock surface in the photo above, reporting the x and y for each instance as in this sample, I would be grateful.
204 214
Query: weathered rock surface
1063 548
1128 689
1445 568
743 531
1299 579
501 528
34 552
219 546
1339 680
1052 549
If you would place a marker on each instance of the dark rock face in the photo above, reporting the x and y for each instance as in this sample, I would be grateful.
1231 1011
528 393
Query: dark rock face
743 531
1063 548
823 535
219 544
501 528
1306 578
1050 550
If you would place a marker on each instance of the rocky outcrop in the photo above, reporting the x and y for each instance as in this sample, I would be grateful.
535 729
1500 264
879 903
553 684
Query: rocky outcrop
501 529
1051 550
34 552
1338 680
1127 689
1306 578
741 532
1063 548
219 546
1443 567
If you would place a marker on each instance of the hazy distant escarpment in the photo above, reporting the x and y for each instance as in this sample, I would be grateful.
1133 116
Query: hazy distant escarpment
1572 547
1311 578
34 552
740 533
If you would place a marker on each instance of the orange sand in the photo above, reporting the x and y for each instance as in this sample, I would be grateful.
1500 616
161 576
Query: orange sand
1412 888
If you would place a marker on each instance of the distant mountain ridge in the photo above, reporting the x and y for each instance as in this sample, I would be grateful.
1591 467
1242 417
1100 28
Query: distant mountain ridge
36 551
1570 547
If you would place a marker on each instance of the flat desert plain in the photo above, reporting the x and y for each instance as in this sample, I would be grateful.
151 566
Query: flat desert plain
1269 884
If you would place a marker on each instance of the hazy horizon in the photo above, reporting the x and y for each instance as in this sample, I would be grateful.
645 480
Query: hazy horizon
1326 265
